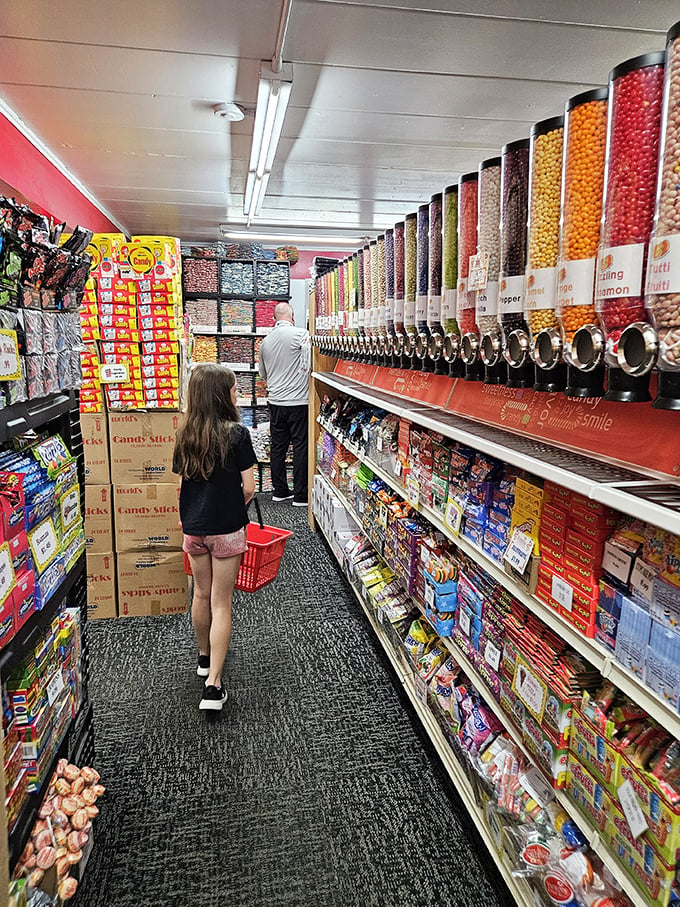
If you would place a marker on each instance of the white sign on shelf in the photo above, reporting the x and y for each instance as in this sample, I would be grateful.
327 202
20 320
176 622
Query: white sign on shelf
55 686
464 621
453 516
412 491
562 592
421 689
536 786
519 550
113 374
631 809
492 655
429 595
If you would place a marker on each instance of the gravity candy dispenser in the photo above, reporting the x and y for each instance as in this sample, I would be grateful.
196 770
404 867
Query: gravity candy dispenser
399 329
435 360
633 129
375 300
465 303
585 128
410 285
662 292
540 294
389 296
514 212
422 279
489 250
451 350
381 328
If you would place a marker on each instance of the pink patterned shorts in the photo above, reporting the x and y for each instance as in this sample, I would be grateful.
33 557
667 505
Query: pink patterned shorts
230 545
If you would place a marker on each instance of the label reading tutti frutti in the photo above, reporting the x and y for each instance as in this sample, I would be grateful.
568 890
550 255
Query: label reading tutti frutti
663 265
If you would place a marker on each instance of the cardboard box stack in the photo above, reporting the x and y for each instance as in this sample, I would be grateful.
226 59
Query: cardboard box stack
148 540
135 564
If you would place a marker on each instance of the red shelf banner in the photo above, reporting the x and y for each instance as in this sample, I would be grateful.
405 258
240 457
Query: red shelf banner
633 434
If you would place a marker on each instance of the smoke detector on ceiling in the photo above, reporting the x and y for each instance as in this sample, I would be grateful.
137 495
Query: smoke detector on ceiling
229 110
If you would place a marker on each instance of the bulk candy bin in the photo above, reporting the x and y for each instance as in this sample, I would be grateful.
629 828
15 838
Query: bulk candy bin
389 296
422 279
382 301
451 350
514 212
398 280
633 129
372 323
662 296
410 286
465 302
434 290
540 298
489 248
585 128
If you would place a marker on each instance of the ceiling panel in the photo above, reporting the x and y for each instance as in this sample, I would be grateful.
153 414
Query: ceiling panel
391 101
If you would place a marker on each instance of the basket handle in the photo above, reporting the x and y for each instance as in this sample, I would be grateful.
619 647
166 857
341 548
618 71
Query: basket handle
257 509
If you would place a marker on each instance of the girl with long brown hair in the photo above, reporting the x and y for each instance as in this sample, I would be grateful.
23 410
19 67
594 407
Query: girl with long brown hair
215 458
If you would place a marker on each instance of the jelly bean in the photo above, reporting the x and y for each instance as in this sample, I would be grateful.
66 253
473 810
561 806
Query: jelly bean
237 312
422 263
467 246
665 307
410 270
544 213
435 246
635 96
583 178
489 238
399 277
375 280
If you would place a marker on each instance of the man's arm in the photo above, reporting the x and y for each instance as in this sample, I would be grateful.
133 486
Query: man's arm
261 366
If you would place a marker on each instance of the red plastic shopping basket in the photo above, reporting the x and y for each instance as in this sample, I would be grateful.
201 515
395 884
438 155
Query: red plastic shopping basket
260 563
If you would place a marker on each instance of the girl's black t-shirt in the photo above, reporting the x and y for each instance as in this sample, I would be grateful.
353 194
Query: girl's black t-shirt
216 506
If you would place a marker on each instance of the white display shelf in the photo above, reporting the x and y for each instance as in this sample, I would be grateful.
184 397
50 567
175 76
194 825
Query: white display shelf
592 650
649 496
519 889
582 820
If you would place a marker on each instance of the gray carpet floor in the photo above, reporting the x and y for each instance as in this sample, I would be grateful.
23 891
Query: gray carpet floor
315 787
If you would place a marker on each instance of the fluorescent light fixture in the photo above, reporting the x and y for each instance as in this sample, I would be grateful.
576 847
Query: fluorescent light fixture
320 240
273 94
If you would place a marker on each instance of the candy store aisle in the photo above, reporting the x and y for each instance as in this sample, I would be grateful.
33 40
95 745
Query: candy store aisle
313 788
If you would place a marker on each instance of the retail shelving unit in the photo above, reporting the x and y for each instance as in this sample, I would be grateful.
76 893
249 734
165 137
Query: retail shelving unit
650 496
57 413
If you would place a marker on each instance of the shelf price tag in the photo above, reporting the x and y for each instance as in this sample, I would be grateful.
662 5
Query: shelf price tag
7 577
379 443
381 616
464 621
412 491
519 550
631 809
536 786
492 655
562 592
453 517
421 689
10 364
113 374
55 687
44 543
642 579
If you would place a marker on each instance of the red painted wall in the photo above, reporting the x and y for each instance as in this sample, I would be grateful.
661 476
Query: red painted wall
29 173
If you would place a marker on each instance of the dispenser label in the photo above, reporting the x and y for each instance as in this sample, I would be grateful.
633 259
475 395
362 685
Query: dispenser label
434 309
619 271
382 316
398 311
361 317
487 300
389 311
575 282
410 312
466 299
421 308
449 305
663 265
541 289
511 295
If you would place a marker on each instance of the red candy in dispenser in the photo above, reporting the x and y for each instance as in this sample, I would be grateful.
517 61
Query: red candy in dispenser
467 246
633 129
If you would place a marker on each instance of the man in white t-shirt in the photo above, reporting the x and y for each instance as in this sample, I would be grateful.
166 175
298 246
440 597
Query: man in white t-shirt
285 364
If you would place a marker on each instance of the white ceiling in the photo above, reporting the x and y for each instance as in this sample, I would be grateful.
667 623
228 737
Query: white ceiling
392 100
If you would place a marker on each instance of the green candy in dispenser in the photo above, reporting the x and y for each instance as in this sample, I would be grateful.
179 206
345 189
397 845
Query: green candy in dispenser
399 294
662 291
540 298
585 129
488 251
465 302
451 348
410 289
514 212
